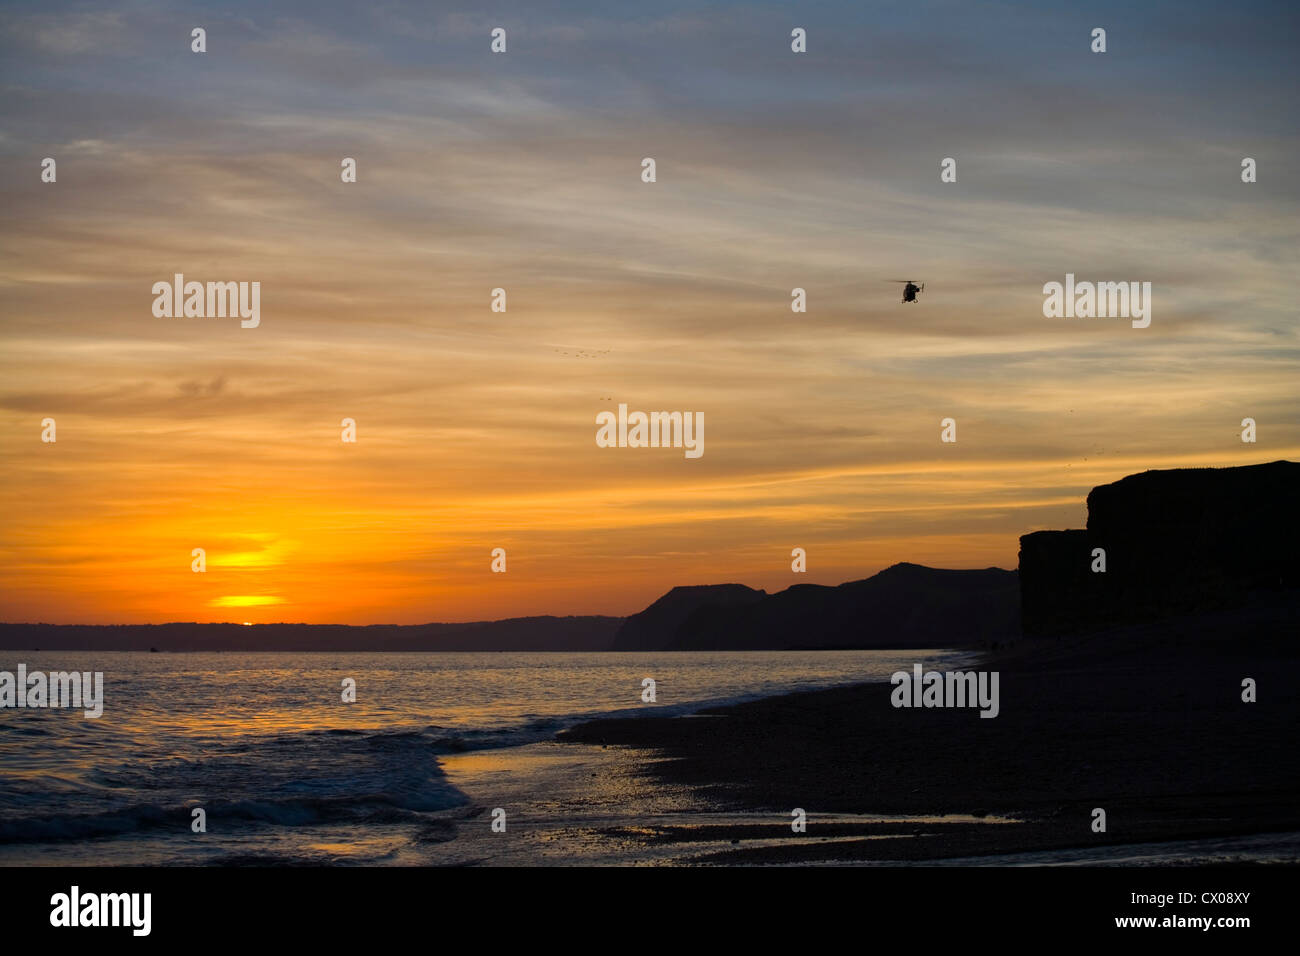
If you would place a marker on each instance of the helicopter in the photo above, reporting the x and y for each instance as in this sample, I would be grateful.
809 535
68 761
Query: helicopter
910 290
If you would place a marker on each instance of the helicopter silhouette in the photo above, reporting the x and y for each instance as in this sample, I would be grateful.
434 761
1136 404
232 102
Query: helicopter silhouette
910 290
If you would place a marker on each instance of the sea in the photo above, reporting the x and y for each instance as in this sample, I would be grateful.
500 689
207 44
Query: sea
284 771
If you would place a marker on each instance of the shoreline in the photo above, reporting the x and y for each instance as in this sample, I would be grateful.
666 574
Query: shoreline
1146 723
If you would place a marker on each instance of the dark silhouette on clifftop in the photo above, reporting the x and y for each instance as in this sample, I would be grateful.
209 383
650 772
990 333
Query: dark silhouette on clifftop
1176 542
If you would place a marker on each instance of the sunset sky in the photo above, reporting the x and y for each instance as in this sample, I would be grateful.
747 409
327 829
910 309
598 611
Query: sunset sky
523 171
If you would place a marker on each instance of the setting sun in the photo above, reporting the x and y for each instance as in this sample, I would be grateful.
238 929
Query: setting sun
245 600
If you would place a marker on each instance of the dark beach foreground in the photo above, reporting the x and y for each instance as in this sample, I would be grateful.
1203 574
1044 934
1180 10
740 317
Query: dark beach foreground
1147 723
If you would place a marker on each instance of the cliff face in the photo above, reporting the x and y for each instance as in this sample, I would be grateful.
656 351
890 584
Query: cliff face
1055 580
1176 542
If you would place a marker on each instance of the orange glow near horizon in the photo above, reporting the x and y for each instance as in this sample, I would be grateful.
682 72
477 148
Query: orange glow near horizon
591 548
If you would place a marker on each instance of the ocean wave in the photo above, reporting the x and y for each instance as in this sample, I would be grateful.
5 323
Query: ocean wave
367 809
287 780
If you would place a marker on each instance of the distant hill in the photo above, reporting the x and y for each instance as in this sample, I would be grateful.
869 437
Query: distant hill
653 628
515 634
906 605
1181 541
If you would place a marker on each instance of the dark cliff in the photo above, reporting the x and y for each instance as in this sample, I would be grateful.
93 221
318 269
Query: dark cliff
1175 542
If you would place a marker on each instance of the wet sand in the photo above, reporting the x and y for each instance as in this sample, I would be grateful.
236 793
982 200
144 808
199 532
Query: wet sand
569 804
1147 723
